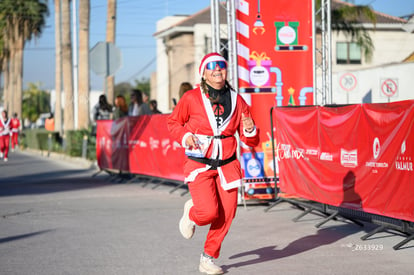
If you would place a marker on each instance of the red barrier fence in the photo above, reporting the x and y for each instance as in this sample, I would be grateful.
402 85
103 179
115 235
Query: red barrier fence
357 156
140 145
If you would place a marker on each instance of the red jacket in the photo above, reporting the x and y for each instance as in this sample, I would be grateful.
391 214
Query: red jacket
4 127
194 115
15 125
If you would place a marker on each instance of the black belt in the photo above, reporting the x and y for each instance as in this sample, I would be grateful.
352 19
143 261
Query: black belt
221 137
214 163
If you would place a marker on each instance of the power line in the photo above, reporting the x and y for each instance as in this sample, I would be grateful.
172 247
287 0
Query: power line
142 69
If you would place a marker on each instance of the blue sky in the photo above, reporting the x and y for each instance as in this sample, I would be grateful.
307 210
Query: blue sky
136 21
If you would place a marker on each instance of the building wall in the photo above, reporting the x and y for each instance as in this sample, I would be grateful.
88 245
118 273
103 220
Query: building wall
181 64
390 46
387 83
162 87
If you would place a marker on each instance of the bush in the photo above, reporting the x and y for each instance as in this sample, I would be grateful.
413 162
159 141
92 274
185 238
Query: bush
71 143
38 139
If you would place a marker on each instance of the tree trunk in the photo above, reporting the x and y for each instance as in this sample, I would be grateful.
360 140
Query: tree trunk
18 75
5 72
67 68
83 87
58 68
110 37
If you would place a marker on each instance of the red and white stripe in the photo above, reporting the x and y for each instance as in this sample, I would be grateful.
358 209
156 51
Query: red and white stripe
243 52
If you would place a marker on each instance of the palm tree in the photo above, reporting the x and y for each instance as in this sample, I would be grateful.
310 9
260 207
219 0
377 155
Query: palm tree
68 114
58 66
110 37
83 86
22 21
35 102
4 69
347 18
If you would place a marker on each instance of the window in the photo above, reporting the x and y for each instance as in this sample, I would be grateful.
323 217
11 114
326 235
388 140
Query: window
348 53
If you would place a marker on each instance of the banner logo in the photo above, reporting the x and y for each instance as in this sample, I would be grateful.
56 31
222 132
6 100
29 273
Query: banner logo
326 156
376 148
254 167
404 163
349 158
285 151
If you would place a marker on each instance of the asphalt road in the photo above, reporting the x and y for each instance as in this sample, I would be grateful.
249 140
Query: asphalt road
56 218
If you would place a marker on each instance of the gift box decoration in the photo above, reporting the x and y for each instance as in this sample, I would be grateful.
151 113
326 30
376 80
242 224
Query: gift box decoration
259 69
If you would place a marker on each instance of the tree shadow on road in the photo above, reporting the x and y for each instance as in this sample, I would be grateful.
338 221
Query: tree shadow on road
50 182
22 236
322 237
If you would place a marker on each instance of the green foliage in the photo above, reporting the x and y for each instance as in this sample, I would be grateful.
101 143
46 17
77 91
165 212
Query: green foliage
144 85
124 89
75 140
347 20
38 139
29 14
71 144
35 102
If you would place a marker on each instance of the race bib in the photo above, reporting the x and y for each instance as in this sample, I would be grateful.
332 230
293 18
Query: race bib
200 151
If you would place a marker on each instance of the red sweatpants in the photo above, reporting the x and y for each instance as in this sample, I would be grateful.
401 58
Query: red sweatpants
4 145
15 140
212 205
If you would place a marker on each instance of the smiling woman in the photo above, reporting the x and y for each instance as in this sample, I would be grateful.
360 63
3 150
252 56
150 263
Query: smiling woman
205 121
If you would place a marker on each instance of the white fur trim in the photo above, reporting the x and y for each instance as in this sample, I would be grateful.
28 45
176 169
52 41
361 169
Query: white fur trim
210 59
195 172
251 134
227 185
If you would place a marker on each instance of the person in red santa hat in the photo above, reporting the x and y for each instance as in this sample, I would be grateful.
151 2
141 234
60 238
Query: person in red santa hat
4 135
15 128
205 122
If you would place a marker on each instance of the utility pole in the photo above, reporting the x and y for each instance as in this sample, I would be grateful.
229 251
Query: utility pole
110 38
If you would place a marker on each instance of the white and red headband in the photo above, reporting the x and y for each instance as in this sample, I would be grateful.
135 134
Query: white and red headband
209 58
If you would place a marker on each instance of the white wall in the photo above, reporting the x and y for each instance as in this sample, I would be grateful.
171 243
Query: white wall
379 80
162 87
93 100
390 46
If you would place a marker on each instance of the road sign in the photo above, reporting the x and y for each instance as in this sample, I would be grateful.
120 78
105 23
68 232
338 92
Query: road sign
348 82
105 59
389 87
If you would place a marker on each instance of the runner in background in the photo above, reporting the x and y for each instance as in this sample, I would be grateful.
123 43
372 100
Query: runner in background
15 130
50 123
4 135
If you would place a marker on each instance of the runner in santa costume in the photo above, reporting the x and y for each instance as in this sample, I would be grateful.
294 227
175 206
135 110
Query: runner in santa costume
205 121
15 127
4 135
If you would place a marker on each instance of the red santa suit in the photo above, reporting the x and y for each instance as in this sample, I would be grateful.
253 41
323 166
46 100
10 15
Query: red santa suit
15 126
4 137
194 114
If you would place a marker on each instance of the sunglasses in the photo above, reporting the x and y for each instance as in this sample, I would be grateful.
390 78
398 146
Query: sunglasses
213 65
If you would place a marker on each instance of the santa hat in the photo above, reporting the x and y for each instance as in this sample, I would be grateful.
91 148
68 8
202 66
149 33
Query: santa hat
209 58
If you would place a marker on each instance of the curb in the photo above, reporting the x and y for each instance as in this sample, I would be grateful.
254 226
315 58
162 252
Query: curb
91 164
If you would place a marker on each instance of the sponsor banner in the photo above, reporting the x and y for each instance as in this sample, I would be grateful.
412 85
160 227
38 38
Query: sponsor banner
140 145
357 156
151 150
112 144
275 68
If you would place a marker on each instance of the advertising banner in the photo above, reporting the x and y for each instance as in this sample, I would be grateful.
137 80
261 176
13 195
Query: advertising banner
139 145
357 156
275 67
151 150
112 144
